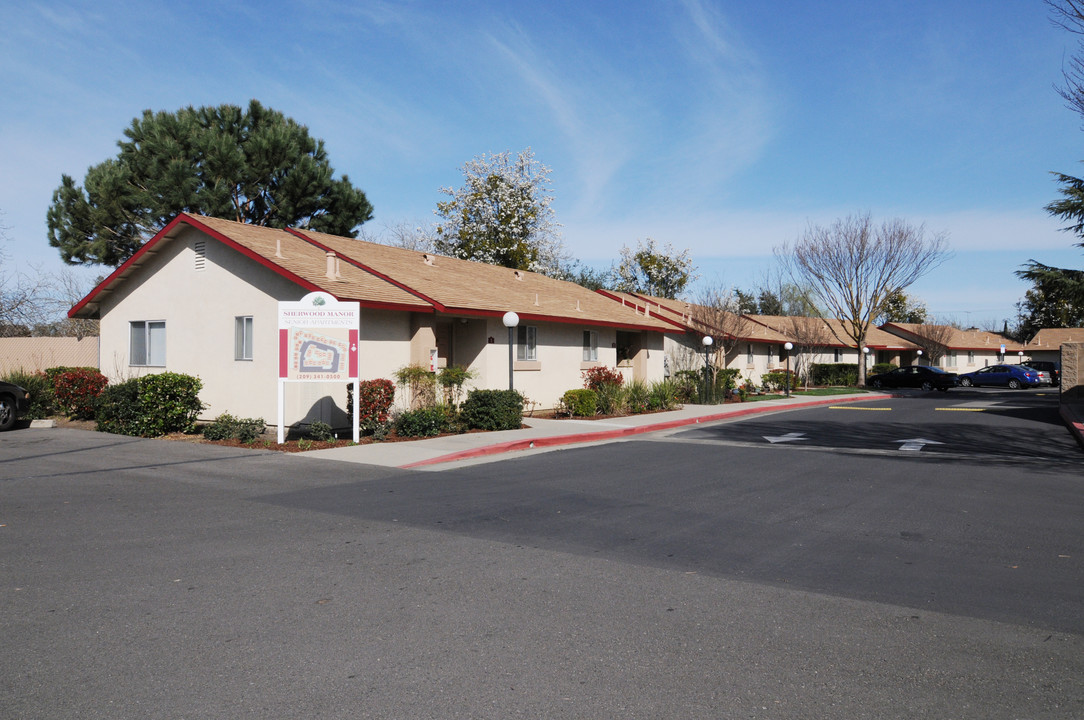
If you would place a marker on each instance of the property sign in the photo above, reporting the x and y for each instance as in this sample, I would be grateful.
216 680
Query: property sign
318 342
318 339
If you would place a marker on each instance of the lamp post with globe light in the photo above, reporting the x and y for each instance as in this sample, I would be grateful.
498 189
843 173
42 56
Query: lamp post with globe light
708 394
511 320
788 346
865 352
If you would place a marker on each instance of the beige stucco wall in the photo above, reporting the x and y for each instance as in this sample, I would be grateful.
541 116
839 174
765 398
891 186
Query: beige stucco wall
560 360
39 353
200 307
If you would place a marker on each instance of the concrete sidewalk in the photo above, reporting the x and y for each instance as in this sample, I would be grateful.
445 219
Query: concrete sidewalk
538 434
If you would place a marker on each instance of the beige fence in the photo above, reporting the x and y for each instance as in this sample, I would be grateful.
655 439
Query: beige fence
39 353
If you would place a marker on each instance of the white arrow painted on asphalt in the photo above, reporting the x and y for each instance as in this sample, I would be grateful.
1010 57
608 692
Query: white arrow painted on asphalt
916 443
789 437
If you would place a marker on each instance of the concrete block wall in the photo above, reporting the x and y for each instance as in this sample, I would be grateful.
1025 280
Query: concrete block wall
1072 372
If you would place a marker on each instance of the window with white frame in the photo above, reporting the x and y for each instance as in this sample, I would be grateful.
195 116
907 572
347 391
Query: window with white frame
837 355
242 337
970 357
148 343
527 343
590 346
771 354
952 358
749 354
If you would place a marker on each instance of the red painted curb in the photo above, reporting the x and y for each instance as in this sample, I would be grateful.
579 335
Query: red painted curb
541 442
1073 421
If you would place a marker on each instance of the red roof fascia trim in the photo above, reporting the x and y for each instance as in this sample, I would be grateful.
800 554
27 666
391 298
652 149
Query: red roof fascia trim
196 224
143 249
366 268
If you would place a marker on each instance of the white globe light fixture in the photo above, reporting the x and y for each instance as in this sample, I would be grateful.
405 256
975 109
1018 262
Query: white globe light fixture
1021 356
510 320
788 346
709 391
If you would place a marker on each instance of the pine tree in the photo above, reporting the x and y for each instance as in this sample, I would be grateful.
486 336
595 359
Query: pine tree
253 165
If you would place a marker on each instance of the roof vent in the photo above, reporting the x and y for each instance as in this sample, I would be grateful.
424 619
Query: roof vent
331 263
536 299
427 259
278 247
200 248
518 274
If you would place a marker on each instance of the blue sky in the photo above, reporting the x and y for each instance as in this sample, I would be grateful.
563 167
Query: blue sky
723 127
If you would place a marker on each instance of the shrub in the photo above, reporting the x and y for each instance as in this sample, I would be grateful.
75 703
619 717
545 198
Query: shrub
612 399
688 385
777 380
40 388
321 431
493 410
376 399
638 397
226 427
118 409
423 422
77 390
581 402
595 377
663 395
834 374
420 382
451 380
880 368
221 429
150 406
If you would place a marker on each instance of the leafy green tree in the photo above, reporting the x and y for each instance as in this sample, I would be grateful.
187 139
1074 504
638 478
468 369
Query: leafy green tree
900 308
1055 300
651 270
502 215
252 165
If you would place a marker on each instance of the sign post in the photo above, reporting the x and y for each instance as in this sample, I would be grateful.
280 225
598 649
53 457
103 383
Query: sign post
318 342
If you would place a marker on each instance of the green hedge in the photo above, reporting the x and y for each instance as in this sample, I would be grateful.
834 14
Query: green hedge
423 422
828 374
492 410
150 406
581 402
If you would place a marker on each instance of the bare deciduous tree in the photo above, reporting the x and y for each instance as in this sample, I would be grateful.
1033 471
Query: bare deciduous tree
716 314
808 335
1069 15
933 339
852 266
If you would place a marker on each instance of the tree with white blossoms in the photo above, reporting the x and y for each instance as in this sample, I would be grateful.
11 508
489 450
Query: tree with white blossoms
502 215
651 270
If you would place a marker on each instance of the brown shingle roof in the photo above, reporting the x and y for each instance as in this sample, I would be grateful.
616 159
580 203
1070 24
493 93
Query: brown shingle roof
958 339
1054 338
686 315
462 286
382 276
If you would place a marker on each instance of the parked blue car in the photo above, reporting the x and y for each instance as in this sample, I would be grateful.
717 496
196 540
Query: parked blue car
1013 377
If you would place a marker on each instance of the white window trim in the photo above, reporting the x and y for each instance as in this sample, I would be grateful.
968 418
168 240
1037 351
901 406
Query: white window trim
242 338
590 346
152 355
527 343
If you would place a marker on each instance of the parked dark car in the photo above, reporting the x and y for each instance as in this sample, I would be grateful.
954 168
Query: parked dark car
1051 368
914 376
14 402
1013 377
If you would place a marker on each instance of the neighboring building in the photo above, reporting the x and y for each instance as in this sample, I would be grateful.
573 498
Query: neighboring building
738 341
825 341
201 297
956 350
1046 345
